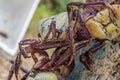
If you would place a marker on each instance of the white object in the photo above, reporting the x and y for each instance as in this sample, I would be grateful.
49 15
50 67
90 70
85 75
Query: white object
15 16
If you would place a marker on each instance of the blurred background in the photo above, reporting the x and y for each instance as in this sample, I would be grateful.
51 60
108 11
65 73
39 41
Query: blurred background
46 8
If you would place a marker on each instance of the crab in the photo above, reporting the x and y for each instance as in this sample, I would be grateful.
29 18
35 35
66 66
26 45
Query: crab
97 22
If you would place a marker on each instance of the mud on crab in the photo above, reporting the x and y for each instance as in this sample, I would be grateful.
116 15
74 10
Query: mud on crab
97 22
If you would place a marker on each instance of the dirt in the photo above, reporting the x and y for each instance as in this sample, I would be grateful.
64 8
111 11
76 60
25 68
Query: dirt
5 65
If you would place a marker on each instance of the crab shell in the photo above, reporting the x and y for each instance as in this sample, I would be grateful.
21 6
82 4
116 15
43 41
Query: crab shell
105 25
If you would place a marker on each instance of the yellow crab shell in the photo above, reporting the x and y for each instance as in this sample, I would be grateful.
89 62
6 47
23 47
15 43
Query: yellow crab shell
104 25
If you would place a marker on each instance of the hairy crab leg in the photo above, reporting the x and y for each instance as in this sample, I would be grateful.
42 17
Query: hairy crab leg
11 72
50 44
17 65
26 42
41 52
93 50
24 51
34 58
71 26
93 4
41 63
83 25
70 68
53 30
71 34
86 57
56 54
13 69
63 59
82 45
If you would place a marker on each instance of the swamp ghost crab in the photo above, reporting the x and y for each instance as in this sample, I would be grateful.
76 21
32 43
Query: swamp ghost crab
89 22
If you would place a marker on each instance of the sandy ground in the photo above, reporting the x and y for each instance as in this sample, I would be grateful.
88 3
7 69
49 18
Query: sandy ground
4 68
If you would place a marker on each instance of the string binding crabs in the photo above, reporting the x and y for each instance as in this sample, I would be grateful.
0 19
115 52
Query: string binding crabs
96 22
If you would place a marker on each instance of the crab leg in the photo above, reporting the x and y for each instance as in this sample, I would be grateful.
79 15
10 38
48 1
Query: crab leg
41 52
91 4
86 57
71 34
17 65
49 45
11 72
83 25
81 22
56 54
63 57
26 42
53 30
29 49
41 63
